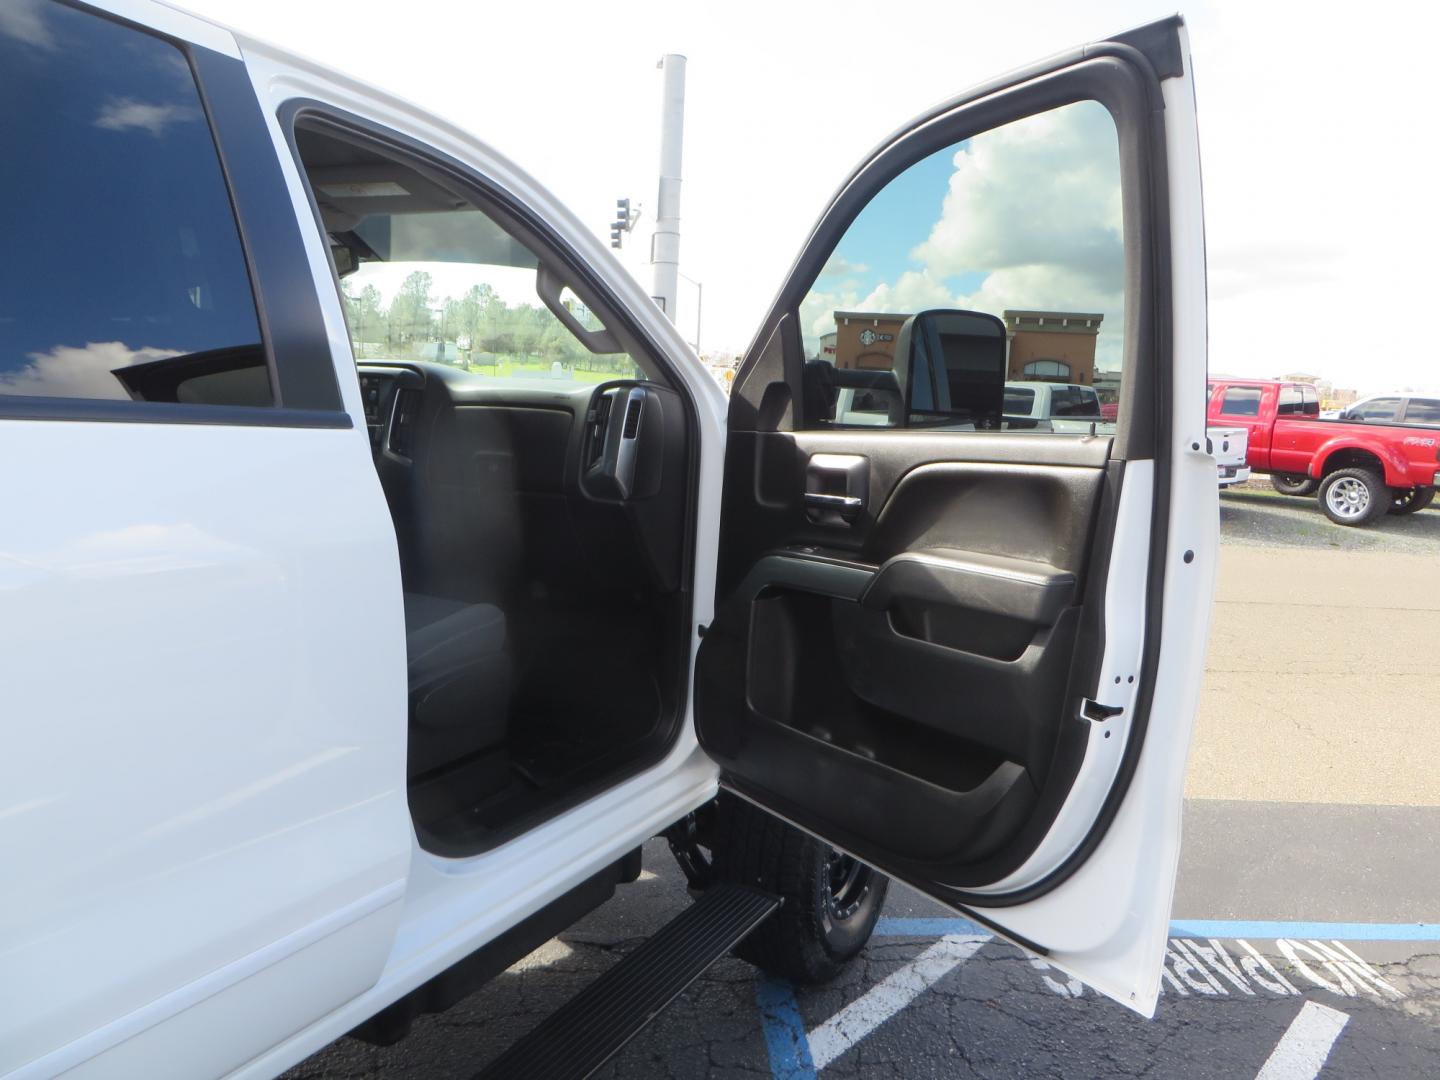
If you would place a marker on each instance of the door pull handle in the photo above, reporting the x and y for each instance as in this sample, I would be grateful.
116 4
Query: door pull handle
848 505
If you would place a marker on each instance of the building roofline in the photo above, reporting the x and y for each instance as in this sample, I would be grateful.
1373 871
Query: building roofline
888 315
1053 314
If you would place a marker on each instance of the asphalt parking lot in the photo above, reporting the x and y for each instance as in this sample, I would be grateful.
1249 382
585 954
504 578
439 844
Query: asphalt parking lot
1305 940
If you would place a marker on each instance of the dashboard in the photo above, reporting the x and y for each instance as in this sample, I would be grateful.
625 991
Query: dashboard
562 476
391 397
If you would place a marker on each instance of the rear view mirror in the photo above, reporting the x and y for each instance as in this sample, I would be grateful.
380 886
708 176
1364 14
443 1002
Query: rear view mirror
952 365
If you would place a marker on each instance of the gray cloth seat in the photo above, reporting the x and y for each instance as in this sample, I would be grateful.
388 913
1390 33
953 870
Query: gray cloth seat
459 672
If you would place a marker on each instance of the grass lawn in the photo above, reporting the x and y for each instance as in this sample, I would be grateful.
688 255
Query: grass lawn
511 368
508 369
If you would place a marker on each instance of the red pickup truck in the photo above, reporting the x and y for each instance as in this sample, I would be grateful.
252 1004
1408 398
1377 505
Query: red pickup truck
1361 470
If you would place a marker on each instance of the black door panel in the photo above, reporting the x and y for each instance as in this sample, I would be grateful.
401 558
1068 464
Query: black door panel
769 473
917 657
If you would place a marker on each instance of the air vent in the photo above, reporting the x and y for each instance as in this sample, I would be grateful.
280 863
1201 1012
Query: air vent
632 415
402 422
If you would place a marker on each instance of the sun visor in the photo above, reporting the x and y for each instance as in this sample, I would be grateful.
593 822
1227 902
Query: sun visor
465 236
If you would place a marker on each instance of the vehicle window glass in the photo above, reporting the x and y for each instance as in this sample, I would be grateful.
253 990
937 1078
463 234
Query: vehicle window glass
1422 411
1291 403
426 276
1241 401
1379 409
1019 400
1310 401
1021 224
126 280
1078 401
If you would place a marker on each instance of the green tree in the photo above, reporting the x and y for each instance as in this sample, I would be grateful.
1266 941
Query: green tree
528 326
411 319
464 318
367 317
555 344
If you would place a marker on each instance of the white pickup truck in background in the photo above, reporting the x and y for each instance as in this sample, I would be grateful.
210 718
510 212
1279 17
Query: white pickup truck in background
1067 407
1230 445
1064 407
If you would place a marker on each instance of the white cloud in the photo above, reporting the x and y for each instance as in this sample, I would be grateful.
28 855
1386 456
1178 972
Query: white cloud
1043 191
839 266
817 313
83 371
914 290
125 114
1057 288
24 21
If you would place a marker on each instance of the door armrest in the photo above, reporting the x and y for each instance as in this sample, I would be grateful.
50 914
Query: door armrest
1019 588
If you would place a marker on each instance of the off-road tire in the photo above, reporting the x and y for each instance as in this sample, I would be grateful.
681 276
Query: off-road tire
1412 500
1374 503
804 941
1293 483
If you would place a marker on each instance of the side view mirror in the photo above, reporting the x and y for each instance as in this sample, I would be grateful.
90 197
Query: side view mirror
951 365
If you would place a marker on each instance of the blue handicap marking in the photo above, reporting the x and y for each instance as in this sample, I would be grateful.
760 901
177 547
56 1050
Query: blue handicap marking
785 1036
788 1042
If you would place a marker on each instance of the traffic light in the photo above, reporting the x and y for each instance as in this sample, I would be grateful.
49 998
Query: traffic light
625 219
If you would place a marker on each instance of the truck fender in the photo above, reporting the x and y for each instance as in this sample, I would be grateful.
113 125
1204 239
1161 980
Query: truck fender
1396 472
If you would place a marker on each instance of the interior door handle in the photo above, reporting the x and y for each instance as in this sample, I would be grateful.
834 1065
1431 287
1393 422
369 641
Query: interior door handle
847 505
836 486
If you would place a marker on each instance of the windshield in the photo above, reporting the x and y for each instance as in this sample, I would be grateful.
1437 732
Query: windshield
427 275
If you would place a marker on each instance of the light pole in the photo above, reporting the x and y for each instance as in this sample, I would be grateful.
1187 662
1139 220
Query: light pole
699 305
665 243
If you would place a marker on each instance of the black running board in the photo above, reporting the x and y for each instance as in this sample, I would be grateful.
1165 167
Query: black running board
581 1035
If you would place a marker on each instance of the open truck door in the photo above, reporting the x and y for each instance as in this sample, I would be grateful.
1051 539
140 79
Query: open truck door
967 652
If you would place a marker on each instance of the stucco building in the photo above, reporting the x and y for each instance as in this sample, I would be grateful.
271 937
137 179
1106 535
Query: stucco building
1048 346
1052 346
863 339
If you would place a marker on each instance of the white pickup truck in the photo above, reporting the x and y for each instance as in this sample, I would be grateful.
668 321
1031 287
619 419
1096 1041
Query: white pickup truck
336 679
1075 408
1052 406
1230 446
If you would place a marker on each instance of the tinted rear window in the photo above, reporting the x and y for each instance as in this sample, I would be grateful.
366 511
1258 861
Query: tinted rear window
1423 411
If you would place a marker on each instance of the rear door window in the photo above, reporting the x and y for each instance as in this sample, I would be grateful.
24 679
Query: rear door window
1422 411
1291 401
123 277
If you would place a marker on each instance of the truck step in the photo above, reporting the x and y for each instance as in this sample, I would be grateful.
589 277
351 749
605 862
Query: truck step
582 1034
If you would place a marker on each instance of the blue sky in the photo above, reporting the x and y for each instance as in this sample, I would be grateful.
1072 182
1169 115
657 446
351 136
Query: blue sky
907 207
1025 216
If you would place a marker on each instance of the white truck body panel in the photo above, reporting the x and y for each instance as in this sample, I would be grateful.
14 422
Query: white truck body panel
164 885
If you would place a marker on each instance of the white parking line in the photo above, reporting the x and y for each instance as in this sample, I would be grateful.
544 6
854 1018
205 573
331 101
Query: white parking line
865 1014
1303 1049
